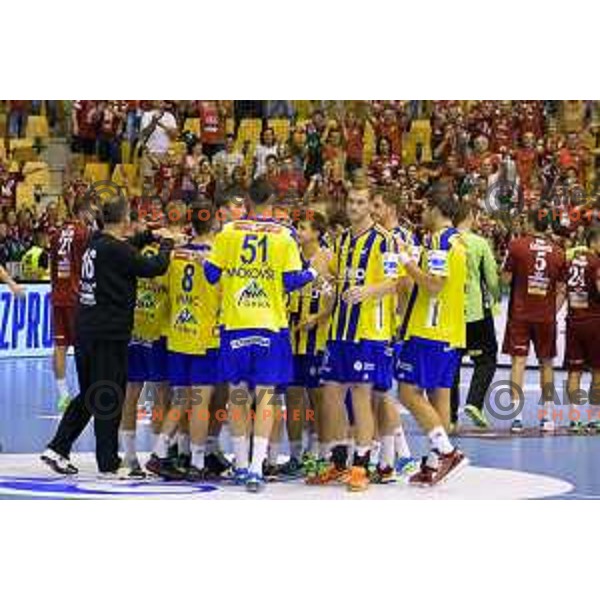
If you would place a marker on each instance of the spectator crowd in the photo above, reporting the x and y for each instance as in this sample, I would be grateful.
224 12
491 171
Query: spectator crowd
500 156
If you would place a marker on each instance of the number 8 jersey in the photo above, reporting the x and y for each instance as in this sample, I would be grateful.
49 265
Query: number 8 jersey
194 303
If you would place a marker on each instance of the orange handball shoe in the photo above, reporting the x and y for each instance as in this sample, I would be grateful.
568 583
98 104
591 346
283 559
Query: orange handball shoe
358 480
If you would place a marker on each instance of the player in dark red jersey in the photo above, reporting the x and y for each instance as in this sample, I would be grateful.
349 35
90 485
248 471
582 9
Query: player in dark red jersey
67 246
535 268
583 326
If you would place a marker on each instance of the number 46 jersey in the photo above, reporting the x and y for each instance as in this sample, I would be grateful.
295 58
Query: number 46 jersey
194 303
253 256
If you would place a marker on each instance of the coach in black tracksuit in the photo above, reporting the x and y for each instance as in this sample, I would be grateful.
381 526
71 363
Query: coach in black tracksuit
110 268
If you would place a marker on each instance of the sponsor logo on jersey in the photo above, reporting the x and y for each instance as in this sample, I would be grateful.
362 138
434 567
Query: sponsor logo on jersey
253 296
185 317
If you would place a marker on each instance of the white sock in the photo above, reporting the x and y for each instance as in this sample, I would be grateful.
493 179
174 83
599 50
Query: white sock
313 444
161 446
387 455
183 443
198 452
240 450
401 443
272 453
128 443
438 438
212 444
296 450
325 450
362 450
375 452
259 453
63 389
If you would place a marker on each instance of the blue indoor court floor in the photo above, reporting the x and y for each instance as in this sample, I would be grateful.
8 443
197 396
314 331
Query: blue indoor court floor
502 467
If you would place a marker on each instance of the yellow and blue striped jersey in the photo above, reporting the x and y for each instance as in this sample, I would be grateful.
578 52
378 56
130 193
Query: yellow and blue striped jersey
193 326
151 315
441 316
253 256
358 261
304 303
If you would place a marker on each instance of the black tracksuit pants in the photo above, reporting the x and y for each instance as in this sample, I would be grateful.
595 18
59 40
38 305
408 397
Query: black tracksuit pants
102 374
482 347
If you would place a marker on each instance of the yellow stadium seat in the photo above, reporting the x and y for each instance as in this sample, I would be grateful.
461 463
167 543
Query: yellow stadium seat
22 149
369 145
178 148
192 125
250 130
37 127
95 172
25 195
281 128
128 175
37 173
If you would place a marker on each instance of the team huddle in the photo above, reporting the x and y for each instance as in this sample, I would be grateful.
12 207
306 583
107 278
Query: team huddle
299 324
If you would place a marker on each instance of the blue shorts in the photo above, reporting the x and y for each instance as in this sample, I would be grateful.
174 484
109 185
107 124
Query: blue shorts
256 357
307 370
187 370
147 361
428 364
357 362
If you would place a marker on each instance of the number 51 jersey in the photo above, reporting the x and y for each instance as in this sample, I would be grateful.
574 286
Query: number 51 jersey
194 303
253 256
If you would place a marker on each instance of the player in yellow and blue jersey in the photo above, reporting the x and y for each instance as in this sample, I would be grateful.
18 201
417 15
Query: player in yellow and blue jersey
192 343
357 351
147 357
394 452
310 308
434 332
256 260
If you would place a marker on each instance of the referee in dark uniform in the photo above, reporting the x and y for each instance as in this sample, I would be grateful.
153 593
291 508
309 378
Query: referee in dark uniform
110 267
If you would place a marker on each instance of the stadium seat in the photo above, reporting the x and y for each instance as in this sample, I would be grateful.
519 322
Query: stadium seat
369 145
420 132
37 127
178 148
249 130
22 149
281 128
192 125
95 172
25 195
37 173
131 179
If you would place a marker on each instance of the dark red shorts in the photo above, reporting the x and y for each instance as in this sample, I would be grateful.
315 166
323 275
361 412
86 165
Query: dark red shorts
583 345
64 325
519 334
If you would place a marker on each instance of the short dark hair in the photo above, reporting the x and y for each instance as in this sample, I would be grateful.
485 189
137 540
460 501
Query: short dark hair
440 196
114 210
464 210
316 219
261 191
339 218
202 216
540 218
